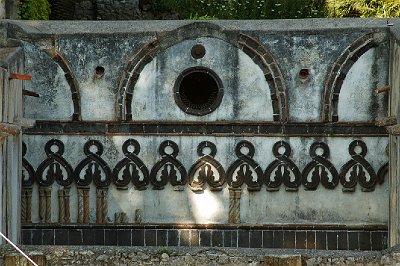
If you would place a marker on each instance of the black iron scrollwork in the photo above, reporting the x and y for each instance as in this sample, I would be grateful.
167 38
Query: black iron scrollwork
28 173
245 169
357 168
165 170
320 168
206 168
131 166
51 169
93 167
279 171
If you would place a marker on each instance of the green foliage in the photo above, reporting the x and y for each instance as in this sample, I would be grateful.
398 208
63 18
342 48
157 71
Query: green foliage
34 9
204 17
244 9
364 8
278 9
164 250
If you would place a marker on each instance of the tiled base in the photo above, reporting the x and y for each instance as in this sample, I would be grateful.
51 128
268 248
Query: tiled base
301 237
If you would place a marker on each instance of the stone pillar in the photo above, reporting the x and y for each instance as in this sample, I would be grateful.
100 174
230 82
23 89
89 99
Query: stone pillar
234 205
83 205
394 131
11 144
8 9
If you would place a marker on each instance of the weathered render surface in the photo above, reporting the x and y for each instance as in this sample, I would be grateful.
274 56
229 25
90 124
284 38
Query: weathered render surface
290 137
394 147
11 62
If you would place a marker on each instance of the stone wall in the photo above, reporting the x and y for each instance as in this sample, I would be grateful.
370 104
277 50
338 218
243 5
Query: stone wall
8 9
282 142
131 77
110 10
194 256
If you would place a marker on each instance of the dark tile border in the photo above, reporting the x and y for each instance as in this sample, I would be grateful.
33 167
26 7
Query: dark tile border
183 128
273 227
244 237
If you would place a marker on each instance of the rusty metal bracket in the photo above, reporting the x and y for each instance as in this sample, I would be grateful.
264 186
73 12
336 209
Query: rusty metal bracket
19 76
385 88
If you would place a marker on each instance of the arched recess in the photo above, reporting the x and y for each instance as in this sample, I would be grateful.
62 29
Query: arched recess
70 77
272 73
251 46
130 76
338 72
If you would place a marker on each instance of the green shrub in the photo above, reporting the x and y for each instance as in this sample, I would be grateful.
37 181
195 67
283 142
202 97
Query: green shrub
164 250
278 9
244 9
364 8
34 9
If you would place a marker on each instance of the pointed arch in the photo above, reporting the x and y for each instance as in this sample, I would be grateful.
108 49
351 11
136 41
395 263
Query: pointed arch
338 72
272 73
72 82
251 46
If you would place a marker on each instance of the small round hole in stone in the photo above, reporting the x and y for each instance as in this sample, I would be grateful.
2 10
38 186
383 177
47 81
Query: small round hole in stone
304 75
198 51
99 72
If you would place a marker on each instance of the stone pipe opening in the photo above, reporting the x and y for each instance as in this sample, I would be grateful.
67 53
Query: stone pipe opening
99 72
304 75
198 91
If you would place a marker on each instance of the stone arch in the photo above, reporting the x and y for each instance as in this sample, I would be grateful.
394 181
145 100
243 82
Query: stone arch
338 72
72 82
251 46
272 73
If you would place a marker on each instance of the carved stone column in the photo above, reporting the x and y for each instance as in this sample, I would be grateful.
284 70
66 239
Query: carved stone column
83 205
45 205
101 205
63 203
26 205
234 205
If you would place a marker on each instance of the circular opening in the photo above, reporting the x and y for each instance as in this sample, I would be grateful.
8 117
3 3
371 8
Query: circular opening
99 71
207 151
198 91
131 148
281 150
245 150
198 51
319 151
304 74
169 150
93 149
358 149
54 148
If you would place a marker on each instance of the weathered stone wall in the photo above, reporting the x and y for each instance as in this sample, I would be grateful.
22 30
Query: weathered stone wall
355 62
193 256
9 9
109 10
290 136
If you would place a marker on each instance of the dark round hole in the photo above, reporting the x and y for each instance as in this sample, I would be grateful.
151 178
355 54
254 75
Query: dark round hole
198 91
100 71
304 74
198 51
